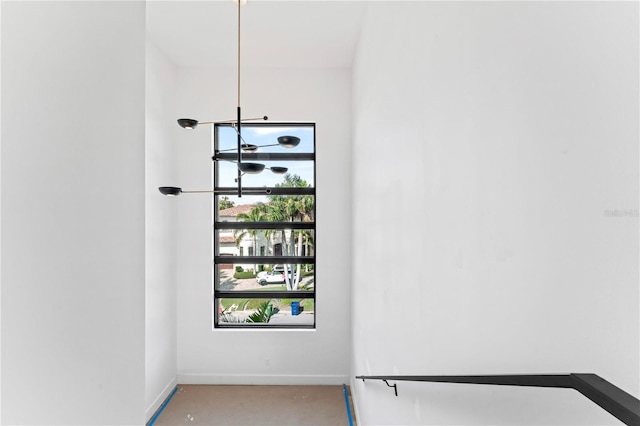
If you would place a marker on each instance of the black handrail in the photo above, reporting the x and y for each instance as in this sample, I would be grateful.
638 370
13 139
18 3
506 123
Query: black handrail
617 402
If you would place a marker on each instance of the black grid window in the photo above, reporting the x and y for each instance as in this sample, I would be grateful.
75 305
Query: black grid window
273 220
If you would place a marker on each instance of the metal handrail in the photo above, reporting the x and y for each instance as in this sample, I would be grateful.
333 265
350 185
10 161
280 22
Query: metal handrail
617 402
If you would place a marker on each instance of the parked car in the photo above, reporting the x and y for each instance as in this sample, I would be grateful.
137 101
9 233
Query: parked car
270 277
264 274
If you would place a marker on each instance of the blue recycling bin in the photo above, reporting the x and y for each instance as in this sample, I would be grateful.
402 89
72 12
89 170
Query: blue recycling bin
295 308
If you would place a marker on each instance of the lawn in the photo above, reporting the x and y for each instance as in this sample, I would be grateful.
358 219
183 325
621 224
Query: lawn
251 304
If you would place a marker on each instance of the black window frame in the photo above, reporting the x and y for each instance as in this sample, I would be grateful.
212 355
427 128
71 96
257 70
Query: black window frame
218 225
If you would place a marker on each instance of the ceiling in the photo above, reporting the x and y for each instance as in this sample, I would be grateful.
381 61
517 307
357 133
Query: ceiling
302 33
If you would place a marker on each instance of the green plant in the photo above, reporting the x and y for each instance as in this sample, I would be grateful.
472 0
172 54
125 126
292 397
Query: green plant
225 203
243 275
227 317
263 313
239 269
243 304
307 286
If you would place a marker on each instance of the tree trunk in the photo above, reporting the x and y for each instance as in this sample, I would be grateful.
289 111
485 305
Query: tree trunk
288 283
255 253
297 277
292 237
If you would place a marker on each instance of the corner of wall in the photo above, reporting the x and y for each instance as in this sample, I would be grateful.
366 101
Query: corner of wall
0 216
155 405
160 231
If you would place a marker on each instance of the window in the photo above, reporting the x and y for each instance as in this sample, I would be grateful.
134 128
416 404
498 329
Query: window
275 217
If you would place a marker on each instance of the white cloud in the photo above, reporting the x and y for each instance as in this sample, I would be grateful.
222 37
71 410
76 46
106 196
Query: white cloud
267 130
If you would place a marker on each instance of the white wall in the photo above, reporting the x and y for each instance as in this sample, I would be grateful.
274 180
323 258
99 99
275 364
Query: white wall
501 133
160 226
258 356
0 213
73 108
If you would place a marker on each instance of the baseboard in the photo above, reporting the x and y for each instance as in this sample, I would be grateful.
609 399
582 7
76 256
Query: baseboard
253 379
160 399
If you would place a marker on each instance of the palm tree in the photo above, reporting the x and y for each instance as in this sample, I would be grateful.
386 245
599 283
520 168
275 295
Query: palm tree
296 208
306 213
305 239
256 214
265 211
225 203
276 211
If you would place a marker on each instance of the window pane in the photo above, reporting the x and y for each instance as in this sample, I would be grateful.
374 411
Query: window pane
269 242
228 172
267 277
279 230
262 135
252 312
263 208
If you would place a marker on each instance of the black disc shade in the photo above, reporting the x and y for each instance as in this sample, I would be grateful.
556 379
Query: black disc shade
250 168
288 141
247 147
170 190
187 123
279 170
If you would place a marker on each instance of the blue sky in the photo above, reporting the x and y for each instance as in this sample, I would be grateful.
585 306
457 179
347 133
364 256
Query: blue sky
265 136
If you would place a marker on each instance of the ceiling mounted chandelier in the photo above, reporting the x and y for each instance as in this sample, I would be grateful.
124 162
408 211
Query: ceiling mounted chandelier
242 146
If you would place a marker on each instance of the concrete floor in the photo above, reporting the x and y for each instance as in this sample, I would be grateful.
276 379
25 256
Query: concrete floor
256 405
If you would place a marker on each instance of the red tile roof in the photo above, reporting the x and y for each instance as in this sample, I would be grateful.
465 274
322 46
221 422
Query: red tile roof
236 210
227 239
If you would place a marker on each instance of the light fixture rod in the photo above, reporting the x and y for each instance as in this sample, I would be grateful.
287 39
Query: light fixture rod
233 121
175 191
239 58
238 131
257 146
239 122
239 149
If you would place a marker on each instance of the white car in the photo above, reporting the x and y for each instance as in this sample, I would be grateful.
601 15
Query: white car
270 277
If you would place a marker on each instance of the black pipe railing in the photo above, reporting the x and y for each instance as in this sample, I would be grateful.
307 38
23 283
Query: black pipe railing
617 402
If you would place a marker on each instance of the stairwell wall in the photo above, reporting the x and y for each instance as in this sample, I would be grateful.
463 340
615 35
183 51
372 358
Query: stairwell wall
496 195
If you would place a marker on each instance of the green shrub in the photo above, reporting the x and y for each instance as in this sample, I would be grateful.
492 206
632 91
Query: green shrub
239 269
243 275
263 313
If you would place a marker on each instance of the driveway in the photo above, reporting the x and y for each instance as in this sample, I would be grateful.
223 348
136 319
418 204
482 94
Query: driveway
227 282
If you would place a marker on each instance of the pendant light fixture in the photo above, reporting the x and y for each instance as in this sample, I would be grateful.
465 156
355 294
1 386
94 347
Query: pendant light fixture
242 146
